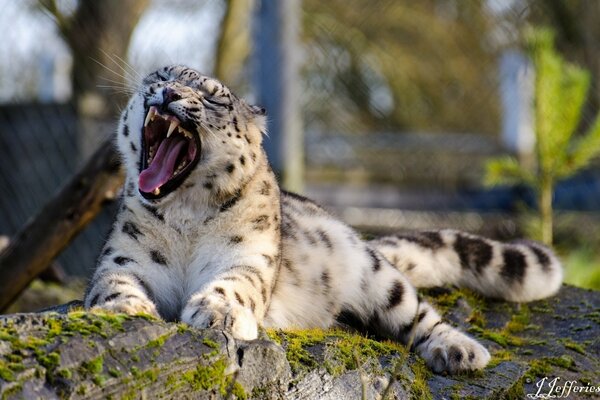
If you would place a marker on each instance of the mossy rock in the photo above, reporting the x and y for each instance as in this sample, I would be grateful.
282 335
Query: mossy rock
81 355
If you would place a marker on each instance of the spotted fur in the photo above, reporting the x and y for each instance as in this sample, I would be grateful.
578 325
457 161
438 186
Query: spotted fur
228 249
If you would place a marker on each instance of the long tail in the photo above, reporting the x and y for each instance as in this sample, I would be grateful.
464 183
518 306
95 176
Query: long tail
518 271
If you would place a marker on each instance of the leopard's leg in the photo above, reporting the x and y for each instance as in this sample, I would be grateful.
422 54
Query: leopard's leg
388 304
118 287
236 299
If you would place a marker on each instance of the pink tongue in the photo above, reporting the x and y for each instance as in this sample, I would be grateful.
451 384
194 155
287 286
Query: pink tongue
162 166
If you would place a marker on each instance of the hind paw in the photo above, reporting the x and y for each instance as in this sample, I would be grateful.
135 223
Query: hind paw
451 351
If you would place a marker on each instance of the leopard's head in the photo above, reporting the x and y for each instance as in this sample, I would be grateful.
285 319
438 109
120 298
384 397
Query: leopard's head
182 130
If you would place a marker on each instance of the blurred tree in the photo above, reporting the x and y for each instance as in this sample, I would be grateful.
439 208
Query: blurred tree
426 65
560 93
97 32
577 37
233 45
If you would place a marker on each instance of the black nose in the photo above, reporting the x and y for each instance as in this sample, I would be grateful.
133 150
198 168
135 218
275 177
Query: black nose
169 96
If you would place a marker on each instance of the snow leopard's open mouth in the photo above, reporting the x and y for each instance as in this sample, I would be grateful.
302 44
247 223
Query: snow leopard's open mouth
169 153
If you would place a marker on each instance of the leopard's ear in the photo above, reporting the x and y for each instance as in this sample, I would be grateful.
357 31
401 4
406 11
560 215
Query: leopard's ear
258 110
258 115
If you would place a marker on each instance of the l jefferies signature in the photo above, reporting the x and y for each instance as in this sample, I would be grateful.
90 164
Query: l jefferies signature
554 389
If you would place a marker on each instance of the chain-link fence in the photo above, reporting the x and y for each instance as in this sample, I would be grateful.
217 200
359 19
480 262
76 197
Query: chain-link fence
402 102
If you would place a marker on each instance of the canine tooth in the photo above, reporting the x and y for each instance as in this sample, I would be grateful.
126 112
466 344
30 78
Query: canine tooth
174 124
150 115
156 191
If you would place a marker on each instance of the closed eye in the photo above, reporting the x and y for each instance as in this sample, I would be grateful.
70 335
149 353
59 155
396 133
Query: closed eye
215 102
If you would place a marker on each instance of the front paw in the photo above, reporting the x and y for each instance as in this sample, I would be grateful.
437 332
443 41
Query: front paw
129 305
452 351
216 312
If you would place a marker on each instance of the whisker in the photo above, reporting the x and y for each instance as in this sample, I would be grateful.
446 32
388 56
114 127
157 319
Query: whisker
119 62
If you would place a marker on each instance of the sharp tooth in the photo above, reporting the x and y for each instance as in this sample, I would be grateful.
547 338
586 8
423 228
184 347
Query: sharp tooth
156 191
150 115
172 127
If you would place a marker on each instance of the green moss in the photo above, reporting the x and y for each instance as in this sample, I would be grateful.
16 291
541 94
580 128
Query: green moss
6 373
115 373
210 343
295 343
343 350
477 318
49 361
151 374
537 369
519 321
447 300
563 361
159 341
64 373
500 356
135 371
570 344
94 366
502 337
419 388
210 377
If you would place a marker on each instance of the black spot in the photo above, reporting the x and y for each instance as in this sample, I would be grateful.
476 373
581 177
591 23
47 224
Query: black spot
132 230
456 354
236 239
429 240
422 315
252 305
287 264
122 260
154 212
514 265
230 203
474 253
542 258
130 189
230 168
125 115
471 356
261 223
235 124
410 266
324 238
106 252
94 300
263 292
270 260
158 257
125 131
242 160
239 298
133 147
220 291
326 280
195 314
253 154
249 142
145 288
395 295
376 262
265 188
111 297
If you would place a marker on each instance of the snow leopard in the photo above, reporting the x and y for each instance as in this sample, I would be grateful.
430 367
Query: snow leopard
206 236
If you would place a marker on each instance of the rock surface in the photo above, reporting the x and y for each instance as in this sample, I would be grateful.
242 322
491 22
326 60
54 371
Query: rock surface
79 355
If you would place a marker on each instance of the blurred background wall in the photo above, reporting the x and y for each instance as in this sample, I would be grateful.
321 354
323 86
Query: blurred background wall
386 111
